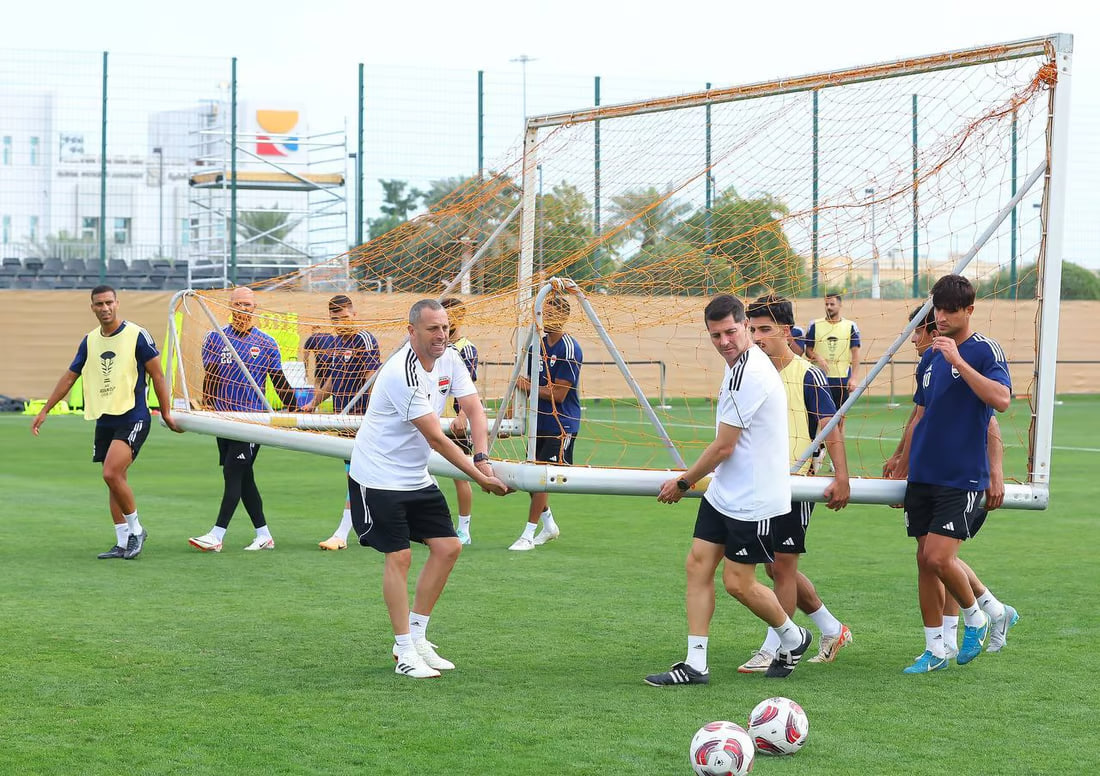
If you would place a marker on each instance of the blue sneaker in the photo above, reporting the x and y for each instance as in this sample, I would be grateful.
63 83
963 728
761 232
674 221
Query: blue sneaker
973 640
925 663
1000 629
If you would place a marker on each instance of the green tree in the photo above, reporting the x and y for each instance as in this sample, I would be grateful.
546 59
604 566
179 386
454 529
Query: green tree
1077 283
396 206
264 227
647 216
738 247
564 236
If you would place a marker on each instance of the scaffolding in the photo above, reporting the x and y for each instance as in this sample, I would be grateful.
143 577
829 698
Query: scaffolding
292 212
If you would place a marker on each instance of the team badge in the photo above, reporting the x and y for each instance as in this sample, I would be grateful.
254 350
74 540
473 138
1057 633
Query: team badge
347 355
254 351
444 385
553 360
954 372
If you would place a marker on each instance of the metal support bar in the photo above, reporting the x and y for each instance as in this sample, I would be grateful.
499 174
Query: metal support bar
990 230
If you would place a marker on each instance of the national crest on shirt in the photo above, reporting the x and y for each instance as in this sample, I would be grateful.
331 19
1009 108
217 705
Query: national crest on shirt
254 351
444 385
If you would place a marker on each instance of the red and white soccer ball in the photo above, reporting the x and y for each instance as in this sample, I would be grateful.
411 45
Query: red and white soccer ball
722 749
778 726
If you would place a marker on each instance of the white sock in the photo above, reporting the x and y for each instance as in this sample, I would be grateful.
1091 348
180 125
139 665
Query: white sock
345 526
122 534
972 616
547 518
991 606
263 533
697 652
528 531
771 641
933 641
418 626
403 640
217 533
790 635
824 620
133 523
464 524
951 631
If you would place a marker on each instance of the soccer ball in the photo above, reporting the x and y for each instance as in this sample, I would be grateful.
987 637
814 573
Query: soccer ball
778 726
722 749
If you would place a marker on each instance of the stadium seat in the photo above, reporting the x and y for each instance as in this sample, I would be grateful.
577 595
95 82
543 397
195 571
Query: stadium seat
54 266
116 266
141 265
32 263
11 261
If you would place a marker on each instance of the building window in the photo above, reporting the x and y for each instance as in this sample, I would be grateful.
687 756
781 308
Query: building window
89 229
6 236
6 157
185 231
34 229
34 150
122 231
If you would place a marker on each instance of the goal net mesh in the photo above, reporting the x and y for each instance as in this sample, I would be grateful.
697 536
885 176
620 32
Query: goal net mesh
870 185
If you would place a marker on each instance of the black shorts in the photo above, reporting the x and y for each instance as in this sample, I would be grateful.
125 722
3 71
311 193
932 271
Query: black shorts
555 449
133 434
941 510
745 541
234 453
388 520
838 389
789 531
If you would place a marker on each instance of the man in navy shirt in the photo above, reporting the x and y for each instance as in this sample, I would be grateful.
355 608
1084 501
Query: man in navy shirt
559 414
122 354
346 358
1003 616
226 388
962 378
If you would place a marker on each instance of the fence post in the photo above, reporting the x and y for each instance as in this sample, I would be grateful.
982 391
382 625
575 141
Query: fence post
103 179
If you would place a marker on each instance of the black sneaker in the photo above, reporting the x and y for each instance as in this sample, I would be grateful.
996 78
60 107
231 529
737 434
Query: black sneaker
134 545
785 661
115 552
681 673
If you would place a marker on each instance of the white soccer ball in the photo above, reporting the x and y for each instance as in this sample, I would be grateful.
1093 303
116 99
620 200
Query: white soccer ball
722 749
778 726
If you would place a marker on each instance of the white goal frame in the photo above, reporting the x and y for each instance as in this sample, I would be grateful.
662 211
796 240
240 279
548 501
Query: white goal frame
1034 494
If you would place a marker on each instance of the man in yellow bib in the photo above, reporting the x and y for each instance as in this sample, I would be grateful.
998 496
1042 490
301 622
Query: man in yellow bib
114 360
833 344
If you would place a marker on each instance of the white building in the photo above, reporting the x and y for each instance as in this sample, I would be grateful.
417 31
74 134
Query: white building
51 178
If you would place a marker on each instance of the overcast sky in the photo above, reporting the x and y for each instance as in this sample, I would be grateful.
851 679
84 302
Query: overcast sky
722 42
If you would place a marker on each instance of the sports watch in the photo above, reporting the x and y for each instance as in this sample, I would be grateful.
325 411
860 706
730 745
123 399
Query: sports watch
683 484
481 457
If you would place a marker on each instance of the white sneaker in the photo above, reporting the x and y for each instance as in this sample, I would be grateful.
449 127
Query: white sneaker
758 663
426 650
522 544
262 543
206 543
544 536
463 537
410 663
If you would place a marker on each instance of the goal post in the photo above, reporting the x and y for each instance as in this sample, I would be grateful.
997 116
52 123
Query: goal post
868 182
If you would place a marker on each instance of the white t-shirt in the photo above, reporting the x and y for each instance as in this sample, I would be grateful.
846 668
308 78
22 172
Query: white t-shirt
390 453
753 483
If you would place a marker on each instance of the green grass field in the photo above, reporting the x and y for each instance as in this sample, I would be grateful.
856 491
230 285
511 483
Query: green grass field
279 663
